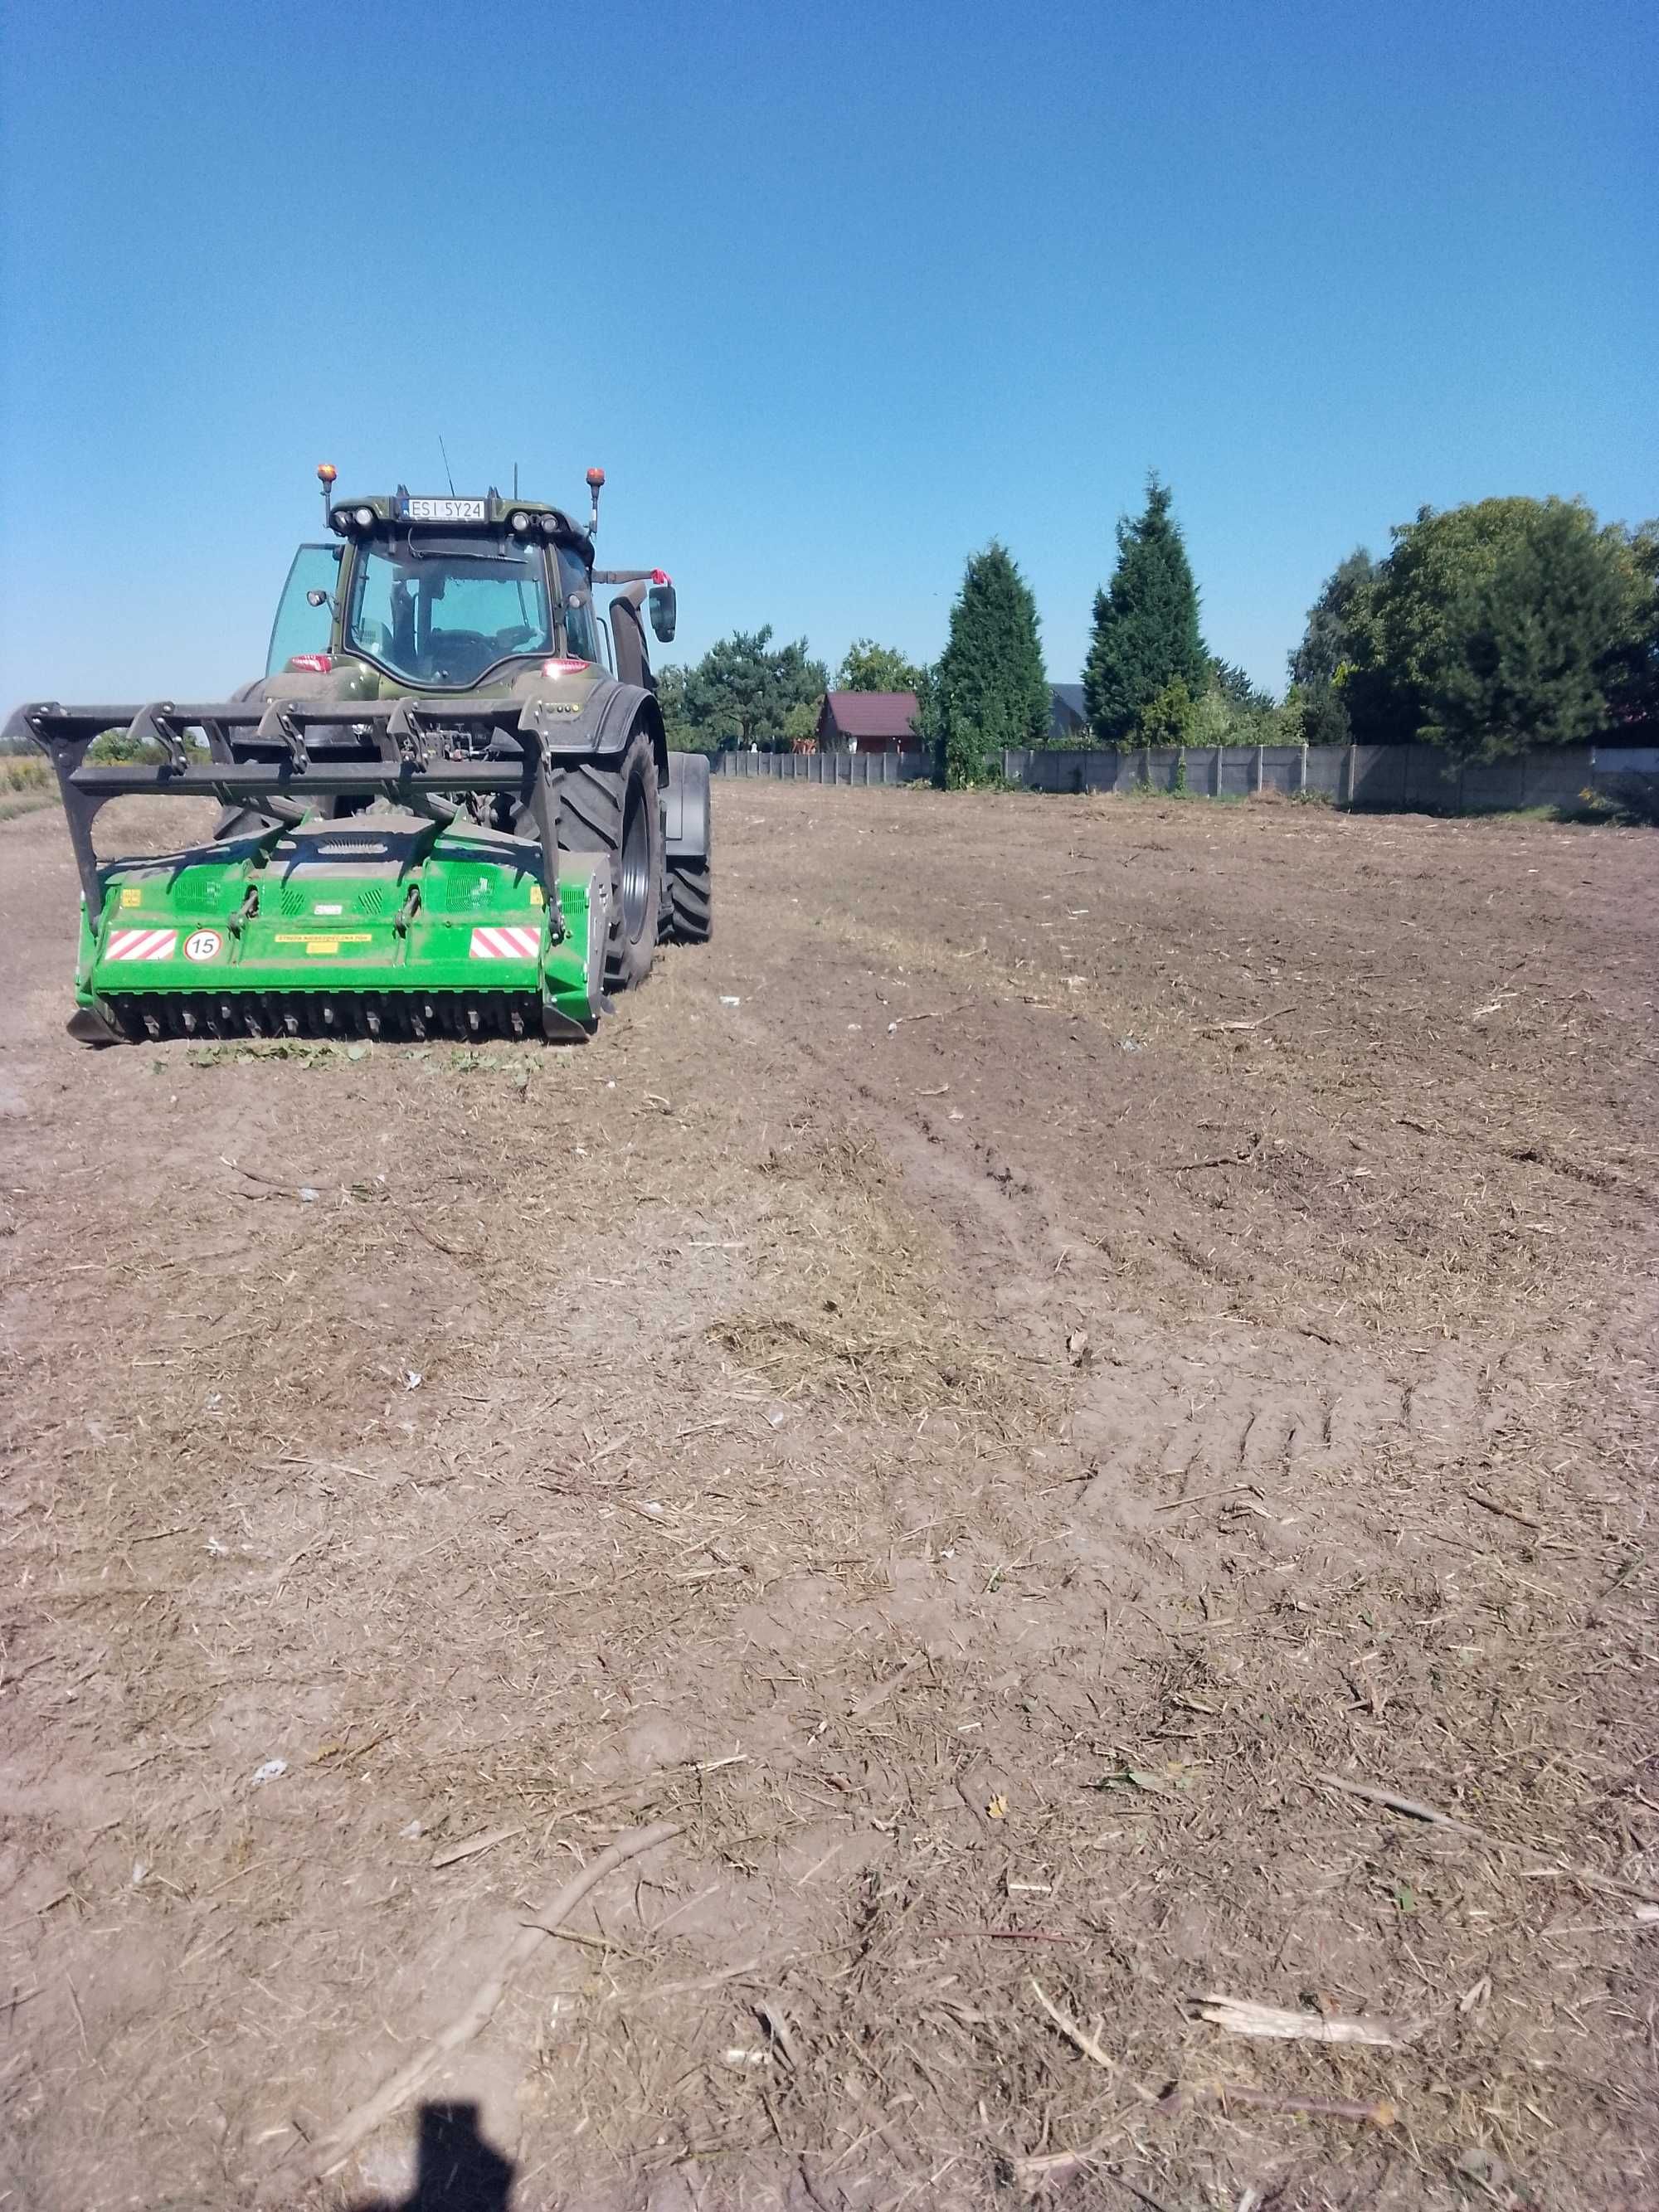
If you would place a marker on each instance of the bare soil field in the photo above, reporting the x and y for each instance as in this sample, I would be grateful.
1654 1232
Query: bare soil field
1065 1416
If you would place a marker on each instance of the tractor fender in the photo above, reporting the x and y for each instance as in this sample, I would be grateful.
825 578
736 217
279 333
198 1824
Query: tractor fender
687 807
601 726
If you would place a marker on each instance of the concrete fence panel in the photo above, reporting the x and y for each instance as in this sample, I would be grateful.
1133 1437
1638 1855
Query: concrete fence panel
1323 766
1385 777
825 768
1560 778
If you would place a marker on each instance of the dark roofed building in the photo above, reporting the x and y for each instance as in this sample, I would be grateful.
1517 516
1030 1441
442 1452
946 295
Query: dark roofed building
1068 718
869 722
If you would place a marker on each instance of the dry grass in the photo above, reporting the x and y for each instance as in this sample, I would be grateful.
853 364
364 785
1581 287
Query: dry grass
26 781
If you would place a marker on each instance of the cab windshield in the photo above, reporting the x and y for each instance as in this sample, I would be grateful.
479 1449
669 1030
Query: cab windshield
440 610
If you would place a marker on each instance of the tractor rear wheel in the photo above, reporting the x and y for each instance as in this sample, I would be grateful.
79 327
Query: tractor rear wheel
617 810
690 902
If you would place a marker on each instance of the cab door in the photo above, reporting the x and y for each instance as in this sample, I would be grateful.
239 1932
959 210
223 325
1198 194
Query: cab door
578 612
305 613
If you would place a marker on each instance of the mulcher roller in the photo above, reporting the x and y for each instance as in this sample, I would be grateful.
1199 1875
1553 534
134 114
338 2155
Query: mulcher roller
373 1016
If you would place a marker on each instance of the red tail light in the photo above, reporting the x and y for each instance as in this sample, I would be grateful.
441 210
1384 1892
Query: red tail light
661 576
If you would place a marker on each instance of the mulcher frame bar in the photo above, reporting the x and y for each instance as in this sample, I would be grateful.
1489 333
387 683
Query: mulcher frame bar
403 771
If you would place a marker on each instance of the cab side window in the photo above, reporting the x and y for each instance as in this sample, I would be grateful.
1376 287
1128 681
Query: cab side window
300 627
377 604
580 631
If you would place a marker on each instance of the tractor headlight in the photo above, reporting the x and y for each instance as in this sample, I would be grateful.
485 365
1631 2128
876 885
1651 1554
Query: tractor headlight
363 517
519 523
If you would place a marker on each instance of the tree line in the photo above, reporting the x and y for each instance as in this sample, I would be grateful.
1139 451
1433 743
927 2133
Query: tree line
1486 629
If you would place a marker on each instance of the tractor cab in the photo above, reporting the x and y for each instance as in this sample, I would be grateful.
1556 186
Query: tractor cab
440 595
450 594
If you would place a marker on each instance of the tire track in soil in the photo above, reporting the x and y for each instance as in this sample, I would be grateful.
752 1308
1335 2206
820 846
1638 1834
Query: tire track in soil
1161 1412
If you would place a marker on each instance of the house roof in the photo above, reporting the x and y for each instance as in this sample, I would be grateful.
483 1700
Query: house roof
1070 694
872 713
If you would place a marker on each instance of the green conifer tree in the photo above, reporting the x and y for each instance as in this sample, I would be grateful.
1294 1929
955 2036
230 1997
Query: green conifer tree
988 690
1145 629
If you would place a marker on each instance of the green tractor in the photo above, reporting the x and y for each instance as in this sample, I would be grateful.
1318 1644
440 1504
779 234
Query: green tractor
448 808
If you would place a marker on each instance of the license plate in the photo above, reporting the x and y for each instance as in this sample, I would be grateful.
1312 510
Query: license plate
446 510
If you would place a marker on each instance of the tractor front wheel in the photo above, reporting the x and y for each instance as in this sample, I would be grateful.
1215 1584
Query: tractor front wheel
617 810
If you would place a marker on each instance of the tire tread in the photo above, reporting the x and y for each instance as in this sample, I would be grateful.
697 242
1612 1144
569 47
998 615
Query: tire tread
690 903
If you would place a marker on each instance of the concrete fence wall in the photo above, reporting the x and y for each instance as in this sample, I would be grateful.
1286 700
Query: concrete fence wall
1215 771
828 767
1401 777
1386 776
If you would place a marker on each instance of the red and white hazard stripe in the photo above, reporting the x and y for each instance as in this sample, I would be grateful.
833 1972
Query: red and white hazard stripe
142 944
505 943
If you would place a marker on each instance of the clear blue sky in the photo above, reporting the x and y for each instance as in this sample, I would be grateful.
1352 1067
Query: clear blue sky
835 295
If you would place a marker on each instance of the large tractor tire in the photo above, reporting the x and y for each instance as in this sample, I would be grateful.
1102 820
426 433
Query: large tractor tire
690 904
689 915
617 810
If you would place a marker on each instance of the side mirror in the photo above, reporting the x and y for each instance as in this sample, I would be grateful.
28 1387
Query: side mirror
664 607
319 599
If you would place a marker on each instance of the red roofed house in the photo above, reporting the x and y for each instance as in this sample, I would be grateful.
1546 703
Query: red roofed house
868 722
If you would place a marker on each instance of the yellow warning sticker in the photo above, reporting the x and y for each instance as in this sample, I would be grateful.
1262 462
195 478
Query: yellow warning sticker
326 943
538 897
129 897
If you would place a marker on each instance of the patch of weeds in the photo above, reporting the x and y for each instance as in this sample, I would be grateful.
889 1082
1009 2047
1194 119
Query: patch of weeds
25 782
306 1051
1629 802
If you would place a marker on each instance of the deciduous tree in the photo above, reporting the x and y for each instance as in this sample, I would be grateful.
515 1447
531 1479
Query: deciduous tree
868 667
1336 640
1169 718
1498 625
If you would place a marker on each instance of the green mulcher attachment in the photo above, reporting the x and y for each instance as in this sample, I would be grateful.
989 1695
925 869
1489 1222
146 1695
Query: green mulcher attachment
351 890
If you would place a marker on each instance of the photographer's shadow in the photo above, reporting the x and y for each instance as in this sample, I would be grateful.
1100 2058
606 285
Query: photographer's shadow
455 2169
